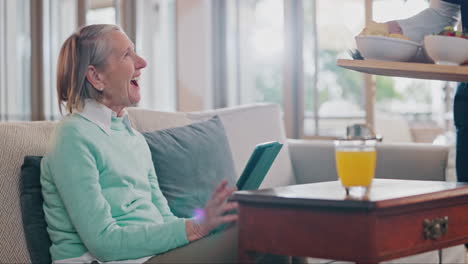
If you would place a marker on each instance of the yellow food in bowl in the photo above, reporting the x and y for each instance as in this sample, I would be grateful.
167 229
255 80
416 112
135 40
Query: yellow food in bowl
375 29
380 29
396 35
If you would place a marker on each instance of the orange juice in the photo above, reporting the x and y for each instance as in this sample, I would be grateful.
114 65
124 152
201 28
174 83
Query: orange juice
355 168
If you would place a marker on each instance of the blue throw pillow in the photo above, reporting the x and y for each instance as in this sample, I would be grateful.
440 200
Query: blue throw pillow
34 224
190 161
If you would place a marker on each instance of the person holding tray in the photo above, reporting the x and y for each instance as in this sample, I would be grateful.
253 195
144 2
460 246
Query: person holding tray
440 14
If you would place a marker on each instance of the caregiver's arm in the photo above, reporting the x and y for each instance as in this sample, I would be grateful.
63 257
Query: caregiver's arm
429 21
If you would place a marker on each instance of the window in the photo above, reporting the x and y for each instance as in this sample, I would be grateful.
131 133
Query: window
155 42
403 103
255 37
60 21
333 96
102 12
15 66
24 99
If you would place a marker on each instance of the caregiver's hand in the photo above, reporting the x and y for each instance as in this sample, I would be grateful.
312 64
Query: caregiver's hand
394 27
213 214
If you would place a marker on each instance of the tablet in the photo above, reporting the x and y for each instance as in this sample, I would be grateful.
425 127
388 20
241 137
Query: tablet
258 165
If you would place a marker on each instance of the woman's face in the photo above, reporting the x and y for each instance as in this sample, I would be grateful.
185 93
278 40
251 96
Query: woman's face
121 73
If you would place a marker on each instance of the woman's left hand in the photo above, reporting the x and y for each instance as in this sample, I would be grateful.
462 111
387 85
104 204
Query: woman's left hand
213 214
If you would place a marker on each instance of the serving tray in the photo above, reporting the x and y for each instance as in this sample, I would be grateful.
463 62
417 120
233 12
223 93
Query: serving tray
408 69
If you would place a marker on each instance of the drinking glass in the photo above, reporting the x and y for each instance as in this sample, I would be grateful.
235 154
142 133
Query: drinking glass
355 164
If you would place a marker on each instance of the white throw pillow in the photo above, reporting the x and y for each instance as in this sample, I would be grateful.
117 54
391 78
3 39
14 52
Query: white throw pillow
145 120
249 125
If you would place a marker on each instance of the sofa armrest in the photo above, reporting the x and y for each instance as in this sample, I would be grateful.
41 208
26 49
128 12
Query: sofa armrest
314 161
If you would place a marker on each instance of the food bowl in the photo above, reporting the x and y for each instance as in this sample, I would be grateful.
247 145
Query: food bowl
446 50
386 48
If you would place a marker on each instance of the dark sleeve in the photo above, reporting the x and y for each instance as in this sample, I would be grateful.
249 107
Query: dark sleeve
464 12
457 2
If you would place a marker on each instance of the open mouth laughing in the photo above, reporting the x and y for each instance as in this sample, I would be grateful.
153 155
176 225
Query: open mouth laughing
134 81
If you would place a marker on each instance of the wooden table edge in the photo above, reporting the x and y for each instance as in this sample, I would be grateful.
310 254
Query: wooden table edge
407 69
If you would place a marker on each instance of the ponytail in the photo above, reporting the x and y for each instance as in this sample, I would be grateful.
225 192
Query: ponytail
66 71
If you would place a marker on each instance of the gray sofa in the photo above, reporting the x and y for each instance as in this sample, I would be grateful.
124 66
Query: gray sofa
300 161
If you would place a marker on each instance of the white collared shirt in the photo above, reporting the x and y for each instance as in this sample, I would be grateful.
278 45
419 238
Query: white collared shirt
102 116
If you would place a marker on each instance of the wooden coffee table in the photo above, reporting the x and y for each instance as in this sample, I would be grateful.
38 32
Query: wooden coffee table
399 218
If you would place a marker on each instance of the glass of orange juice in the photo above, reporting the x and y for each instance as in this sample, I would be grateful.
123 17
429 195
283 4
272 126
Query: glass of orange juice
355 158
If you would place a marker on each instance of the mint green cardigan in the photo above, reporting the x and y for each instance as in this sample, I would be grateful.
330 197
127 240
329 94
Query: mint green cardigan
101 194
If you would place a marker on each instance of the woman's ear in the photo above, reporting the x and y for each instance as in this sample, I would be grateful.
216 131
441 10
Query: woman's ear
95 78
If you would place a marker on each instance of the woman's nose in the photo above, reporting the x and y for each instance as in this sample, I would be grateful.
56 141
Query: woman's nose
140 62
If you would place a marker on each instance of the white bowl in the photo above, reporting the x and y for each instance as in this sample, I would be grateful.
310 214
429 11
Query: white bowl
387 49
446 50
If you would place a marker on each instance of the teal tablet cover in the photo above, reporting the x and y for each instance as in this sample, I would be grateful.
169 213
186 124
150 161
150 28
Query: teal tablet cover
258 165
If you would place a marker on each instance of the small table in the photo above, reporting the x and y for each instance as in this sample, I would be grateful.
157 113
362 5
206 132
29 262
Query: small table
398 218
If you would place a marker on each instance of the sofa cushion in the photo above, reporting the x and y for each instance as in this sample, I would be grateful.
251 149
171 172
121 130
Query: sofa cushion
34 224
190 161
247 126
17 140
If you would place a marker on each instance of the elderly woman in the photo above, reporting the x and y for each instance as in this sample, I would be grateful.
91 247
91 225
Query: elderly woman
101 195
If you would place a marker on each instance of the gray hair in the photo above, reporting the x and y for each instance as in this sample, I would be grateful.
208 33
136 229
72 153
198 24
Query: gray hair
87 46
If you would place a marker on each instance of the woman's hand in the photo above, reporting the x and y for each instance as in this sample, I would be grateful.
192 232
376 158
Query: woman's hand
213 214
